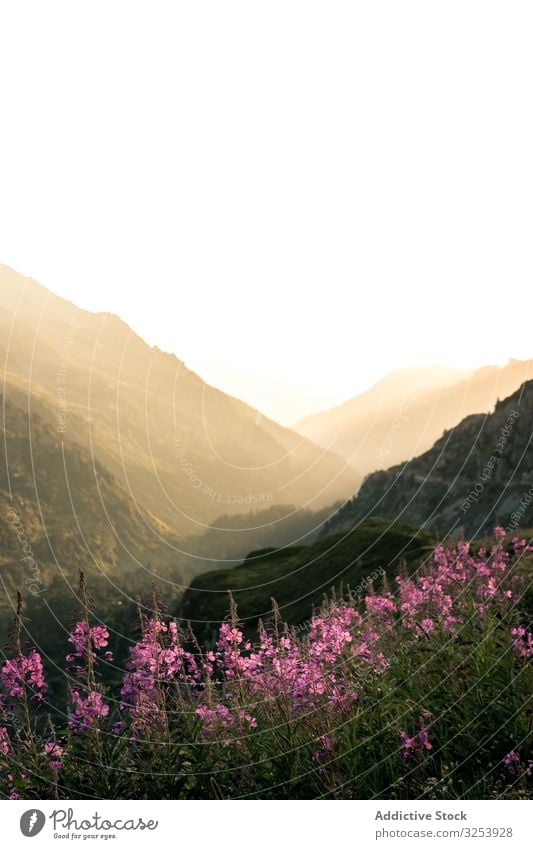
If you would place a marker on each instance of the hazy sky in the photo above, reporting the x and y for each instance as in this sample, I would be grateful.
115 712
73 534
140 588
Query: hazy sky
293 197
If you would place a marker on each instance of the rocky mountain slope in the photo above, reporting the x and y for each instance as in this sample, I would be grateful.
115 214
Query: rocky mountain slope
405 413
478 473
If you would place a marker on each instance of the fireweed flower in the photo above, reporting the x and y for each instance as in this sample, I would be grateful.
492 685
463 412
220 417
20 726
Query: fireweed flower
382 606
4 741
229 650
408 745
301 671
99 636
417 744
499 533
306 672
515 766
88 709
511 763
79 638
522 641
423 739
317 671
437 596
327 744
21 671
88 706
54 753
84 638
219 721
233 689
519 545
156 661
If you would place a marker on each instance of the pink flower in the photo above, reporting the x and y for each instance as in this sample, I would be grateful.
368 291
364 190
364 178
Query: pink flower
417 744
522 641
327 746
511 763
88 709
54 753
499 533
78 638
424 740
99 636
328 743
24 670
156 661
83 637
220 721
246 718
408 745
4 741
381 605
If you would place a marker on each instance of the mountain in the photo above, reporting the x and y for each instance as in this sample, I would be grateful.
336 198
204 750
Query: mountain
477 474
62 511
182 450
231 538
298 577
76 514
406 412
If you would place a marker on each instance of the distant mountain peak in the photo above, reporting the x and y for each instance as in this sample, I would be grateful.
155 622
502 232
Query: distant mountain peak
406 411
475 475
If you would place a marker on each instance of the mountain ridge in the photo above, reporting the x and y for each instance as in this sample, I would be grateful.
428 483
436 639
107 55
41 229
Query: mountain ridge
298 577
175 443
379 428
475 475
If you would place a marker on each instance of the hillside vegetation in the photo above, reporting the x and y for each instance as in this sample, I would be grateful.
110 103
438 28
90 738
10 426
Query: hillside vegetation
298 577
420 691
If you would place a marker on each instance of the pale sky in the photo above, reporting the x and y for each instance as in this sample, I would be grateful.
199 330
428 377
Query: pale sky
294 197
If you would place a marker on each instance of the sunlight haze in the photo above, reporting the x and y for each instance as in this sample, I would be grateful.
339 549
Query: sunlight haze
292 224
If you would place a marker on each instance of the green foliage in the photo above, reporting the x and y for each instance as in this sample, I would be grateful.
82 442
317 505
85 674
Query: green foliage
300 576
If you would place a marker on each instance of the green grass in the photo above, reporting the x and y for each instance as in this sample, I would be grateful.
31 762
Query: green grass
299 577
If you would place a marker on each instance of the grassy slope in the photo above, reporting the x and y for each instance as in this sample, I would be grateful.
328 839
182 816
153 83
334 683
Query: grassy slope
298 577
